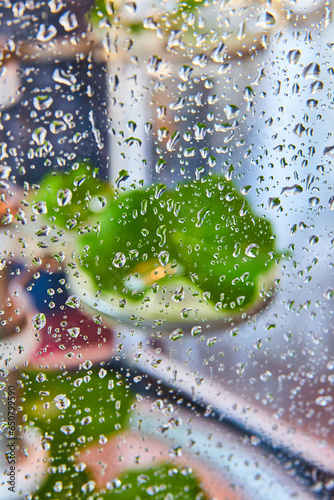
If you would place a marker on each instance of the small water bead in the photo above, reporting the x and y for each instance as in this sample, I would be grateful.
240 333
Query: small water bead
294 56
73 301
42 102
67 429
46 33
62 402
311 71
39 321
64 197
176 334
119 260
68 21
39 135
102 373
323 400
265 20
74 332
163 258
41 377
252 250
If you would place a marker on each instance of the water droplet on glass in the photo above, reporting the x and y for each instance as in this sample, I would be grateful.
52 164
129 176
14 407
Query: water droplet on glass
329 151
56 127
252 250
196 330
62 402
39 135
299 129
313 240
41 377
68 21
176 334
63 77
102 373
323 400
163 258
64 197
266 376
39 321
67 429
46 33
266 20
312 70
55 6
119 259
231 111
74 332
294 56
42 102
39 208
291 190
73 301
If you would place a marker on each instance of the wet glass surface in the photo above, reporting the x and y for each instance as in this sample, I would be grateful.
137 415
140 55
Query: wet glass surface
166 250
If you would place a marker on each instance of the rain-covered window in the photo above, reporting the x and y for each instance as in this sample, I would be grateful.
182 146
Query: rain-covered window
166 249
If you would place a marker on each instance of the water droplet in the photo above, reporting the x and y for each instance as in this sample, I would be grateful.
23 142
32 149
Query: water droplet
231 111
329 293
41 377
63 77
218 54
119 259
196 330
270 325
252 250
329 151
312 71
313 240
312 103
170 146
323 400
176 334
199 131
178 296
39 208
68 21
102 373
62 402
294 56
42 102
46 33
299 129
316 86
73 301
266 376
56 127
39 321
123 175
74 332
273 203
67 429
314 201
64 197
39 135
55 6
185 73
266 20
291 190
163 258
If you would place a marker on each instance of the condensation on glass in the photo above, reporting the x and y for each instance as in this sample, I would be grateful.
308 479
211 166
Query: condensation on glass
166 240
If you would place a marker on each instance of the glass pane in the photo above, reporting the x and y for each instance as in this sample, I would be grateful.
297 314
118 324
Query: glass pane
166 249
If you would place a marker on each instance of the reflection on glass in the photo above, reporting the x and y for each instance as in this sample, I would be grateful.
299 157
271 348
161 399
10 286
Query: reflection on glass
166 270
